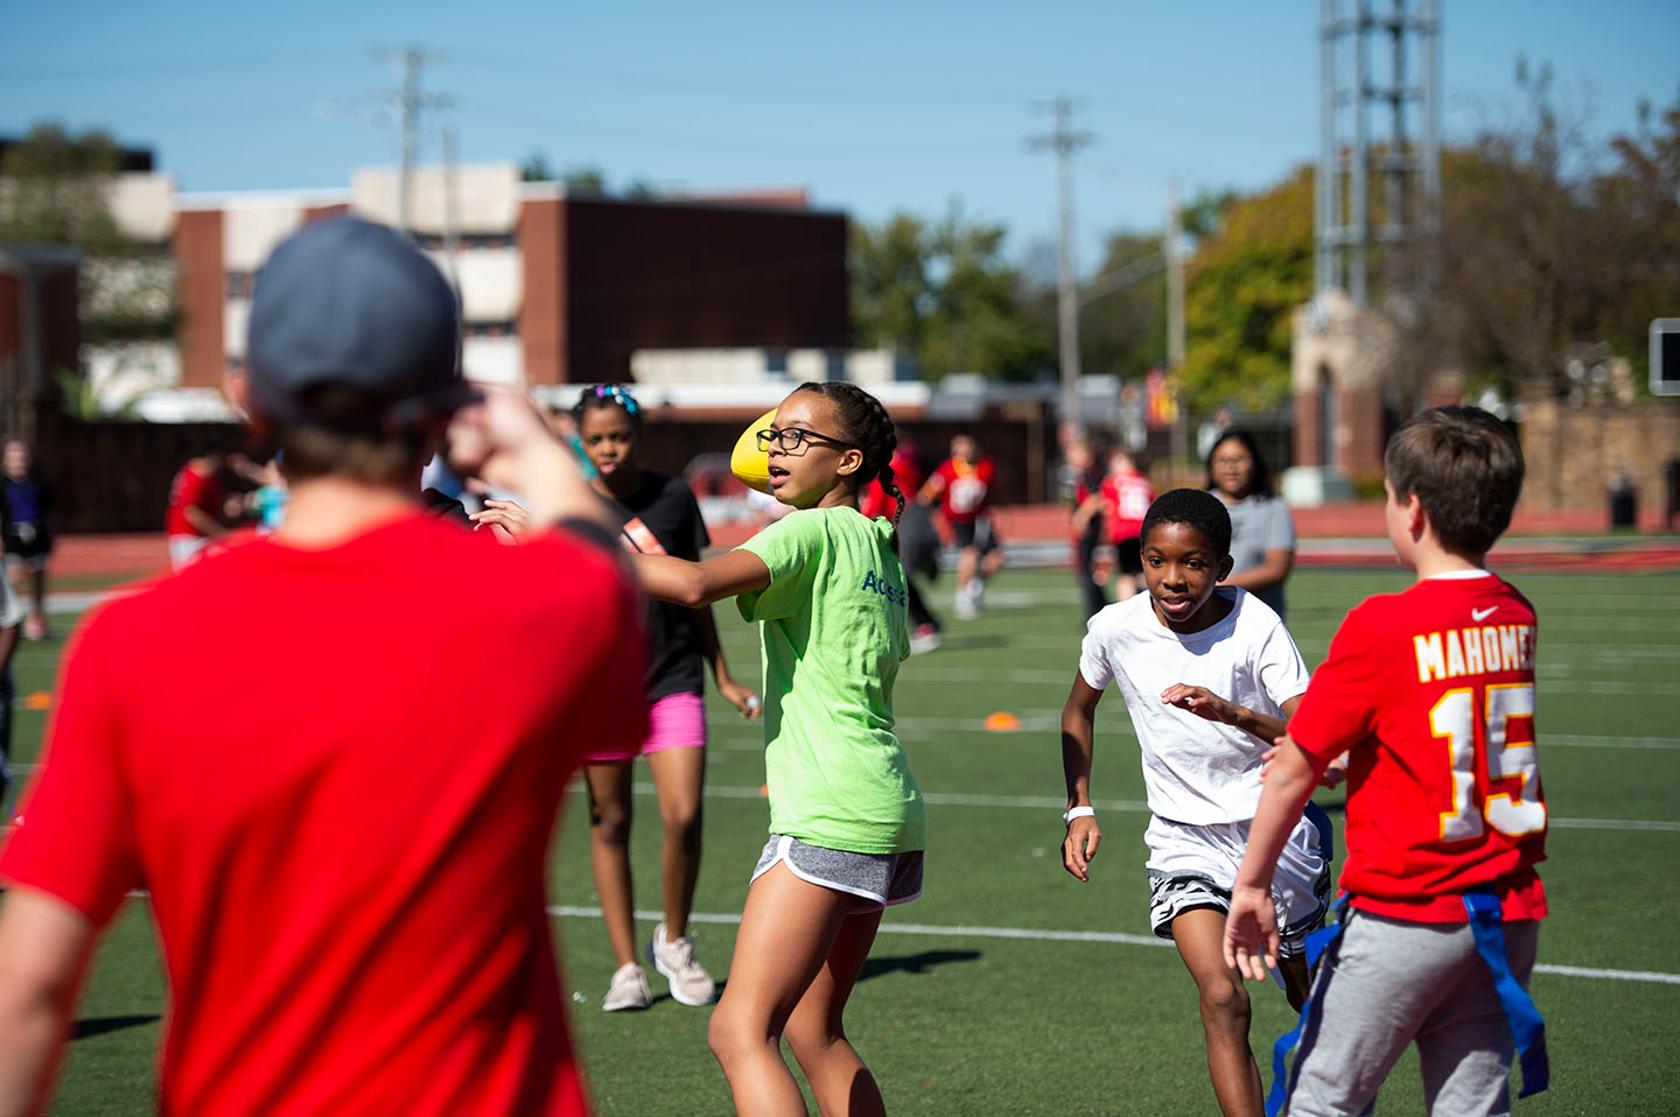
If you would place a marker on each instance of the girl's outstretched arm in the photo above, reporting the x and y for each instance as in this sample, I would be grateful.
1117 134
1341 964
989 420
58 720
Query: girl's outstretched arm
698 584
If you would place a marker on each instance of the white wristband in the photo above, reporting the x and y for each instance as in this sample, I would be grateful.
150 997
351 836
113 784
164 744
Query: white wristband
1077 812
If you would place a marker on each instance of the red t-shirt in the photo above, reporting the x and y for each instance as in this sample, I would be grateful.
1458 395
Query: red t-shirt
1432 690
337 772
875 500
1126 501
191 489
966 486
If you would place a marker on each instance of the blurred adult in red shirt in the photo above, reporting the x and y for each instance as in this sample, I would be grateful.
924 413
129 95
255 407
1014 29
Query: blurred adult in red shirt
345 845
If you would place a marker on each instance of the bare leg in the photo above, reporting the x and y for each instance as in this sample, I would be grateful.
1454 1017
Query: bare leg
787 930
817 1034
38 583
1199 936
678 775
609 853
1296 979
967 561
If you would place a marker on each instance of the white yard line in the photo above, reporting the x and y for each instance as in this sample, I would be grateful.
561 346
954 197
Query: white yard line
1034 934
1132 806
1588 741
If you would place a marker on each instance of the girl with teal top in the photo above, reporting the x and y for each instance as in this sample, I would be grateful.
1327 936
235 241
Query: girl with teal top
846 823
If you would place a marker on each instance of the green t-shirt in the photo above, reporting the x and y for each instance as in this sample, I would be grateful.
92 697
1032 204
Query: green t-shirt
834 630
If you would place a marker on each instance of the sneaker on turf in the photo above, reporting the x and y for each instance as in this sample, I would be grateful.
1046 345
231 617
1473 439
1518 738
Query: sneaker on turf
629 989
924 639
690 983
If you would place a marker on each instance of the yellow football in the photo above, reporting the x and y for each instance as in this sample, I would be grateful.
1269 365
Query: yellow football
747 462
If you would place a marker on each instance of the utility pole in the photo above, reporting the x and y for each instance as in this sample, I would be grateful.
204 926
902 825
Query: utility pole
1064 141
451 215
1173 249
407 103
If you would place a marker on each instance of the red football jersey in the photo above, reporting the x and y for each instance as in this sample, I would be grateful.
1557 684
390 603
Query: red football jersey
191 489
966 487
1126 501
1431 691
875 500
337 772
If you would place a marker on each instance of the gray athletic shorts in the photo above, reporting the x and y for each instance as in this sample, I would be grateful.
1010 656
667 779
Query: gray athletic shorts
1385 983
878 880
1193 866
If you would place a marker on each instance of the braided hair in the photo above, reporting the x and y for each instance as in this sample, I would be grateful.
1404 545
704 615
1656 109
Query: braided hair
866 424
608 395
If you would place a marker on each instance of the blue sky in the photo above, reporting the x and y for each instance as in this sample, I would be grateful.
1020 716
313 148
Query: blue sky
875 107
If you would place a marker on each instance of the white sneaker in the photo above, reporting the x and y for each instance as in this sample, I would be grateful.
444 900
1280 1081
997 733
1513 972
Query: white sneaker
924 639
690 983
629 989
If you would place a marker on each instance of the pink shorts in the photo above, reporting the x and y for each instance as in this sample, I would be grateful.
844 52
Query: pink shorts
677 721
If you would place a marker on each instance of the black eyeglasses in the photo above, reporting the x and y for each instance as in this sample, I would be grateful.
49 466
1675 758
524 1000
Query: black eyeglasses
791 439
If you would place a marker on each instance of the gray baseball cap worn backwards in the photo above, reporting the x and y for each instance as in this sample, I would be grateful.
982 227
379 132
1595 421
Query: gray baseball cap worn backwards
346 301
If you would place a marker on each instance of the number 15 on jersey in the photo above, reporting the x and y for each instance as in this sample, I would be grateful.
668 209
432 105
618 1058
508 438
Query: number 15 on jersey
1512 804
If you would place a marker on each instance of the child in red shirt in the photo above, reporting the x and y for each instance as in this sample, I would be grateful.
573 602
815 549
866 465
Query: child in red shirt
961 486
1127 495
1431 694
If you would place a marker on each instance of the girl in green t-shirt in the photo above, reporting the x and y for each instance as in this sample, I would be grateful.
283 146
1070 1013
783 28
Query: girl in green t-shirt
845 814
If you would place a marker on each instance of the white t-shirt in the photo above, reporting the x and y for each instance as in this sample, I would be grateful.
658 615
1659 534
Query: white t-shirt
1195 770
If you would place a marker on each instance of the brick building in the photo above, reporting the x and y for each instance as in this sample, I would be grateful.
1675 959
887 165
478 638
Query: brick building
554 288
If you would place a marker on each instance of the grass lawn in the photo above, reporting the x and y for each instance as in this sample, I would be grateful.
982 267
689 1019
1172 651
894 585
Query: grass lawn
966 1006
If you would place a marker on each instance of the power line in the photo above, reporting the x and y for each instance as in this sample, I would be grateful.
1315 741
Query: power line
407 102
1063 141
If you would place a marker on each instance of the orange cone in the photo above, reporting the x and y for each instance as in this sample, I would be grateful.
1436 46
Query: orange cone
1002 721
40 700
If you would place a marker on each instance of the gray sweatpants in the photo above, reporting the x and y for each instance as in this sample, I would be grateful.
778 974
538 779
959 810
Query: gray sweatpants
1385 983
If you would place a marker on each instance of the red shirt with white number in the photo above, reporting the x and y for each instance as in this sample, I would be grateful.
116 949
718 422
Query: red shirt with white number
344 820
1431 692
966 486
1126 500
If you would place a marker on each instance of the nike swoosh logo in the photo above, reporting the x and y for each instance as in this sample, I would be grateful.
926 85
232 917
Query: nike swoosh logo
1480 615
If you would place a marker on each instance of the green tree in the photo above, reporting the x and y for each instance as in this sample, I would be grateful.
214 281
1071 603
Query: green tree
1123 331
589 182
945 295
892 292
535 167
55 189
1244 281
1550 243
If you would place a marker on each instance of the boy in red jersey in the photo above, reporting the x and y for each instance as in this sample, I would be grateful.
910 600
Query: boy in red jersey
345 847
1431 693
961 486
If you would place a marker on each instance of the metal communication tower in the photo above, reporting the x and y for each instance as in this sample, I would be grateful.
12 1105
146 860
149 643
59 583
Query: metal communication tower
1407 160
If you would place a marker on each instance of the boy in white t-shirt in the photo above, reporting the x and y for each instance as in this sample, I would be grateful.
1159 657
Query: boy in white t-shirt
1210 676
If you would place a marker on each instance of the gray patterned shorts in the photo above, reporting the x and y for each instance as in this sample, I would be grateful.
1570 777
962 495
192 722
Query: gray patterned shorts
878 880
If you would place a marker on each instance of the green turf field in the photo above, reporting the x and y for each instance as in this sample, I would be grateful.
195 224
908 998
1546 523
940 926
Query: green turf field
970 1006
